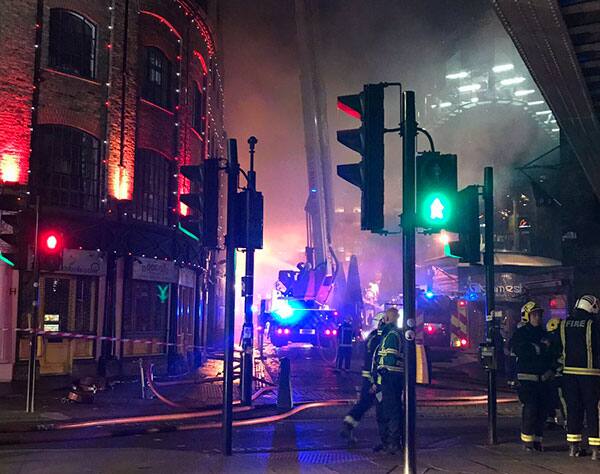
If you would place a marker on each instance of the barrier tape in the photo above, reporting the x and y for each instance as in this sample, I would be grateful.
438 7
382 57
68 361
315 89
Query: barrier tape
72 335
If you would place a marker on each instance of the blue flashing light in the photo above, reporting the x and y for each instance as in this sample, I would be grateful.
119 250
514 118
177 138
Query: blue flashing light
429 294
313 190
287 312
472 296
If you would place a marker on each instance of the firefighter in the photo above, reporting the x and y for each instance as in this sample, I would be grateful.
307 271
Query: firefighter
557 410
580 343
368 390
531 346
344 352
390 381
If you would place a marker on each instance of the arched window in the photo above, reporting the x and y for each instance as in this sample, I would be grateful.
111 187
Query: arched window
66 167
199 108
152 187
72 46
156 87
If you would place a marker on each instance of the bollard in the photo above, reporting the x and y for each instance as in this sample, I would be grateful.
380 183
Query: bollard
284 394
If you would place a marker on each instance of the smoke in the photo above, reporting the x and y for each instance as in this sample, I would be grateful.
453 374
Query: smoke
361 41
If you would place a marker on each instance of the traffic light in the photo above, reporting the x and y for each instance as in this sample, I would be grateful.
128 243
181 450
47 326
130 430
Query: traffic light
50 249
466 224
367 140
202 224
12 229
436 190
249 216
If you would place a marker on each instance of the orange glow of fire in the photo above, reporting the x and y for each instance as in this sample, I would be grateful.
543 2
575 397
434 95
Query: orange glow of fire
9 168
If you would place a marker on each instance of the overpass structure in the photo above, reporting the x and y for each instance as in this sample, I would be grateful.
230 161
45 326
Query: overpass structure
559 42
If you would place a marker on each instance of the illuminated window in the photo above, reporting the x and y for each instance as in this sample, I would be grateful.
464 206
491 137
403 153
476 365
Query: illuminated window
66 167
72 46
198 107
157 79
152 187
147 310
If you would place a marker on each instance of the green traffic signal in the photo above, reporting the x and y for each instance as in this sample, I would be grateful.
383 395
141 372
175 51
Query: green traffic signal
436 210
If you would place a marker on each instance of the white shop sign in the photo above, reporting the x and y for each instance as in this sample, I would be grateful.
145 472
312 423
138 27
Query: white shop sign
154 270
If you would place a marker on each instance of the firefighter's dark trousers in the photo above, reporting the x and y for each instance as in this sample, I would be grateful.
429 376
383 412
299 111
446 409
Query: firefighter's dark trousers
344 356
364 403
582 393
390 418
535 399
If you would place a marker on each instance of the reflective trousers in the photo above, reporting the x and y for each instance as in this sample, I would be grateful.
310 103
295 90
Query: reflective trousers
364 403
582 393
344 356
390 417
535 397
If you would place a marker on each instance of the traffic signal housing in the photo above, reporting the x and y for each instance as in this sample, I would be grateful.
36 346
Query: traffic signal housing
436 182
248 232
51 244
13 220
466 225
367 140
202 224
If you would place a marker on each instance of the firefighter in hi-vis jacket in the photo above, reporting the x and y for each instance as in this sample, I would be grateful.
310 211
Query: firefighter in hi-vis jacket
390 380
580 341
531 345
367 391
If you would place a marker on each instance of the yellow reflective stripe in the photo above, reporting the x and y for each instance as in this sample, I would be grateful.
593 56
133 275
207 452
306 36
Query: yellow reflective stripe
573 438
580 371
563 339
594 441
527 438
588 343
366 373
389 352
528 377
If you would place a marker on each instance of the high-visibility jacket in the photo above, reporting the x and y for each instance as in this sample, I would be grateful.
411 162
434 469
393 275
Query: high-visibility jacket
390 355
371 346
531 345
580 341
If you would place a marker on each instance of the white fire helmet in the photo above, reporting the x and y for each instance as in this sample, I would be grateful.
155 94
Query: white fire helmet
588 303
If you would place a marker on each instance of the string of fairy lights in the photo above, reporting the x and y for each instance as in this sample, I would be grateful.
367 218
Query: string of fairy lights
215 93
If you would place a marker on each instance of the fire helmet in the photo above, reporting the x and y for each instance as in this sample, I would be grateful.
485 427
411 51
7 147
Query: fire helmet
379 318
527 309
588 303
552 324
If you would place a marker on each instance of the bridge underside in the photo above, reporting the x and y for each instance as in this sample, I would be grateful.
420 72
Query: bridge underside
559 42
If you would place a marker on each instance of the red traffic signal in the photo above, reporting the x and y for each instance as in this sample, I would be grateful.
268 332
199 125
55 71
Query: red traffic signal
51 242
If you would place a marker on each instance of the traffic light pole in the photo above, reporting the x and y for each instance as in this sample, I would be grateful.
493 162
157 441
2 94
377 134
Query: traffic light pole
30 402
492 323
248 329
409 132
233 170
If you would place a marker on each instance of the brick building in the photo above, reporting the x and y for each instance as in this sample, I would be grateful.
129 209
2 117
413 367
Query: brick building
101 103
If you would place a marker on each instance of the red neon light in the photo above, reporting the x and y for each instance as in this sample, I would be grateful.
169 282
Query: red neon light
327 332
463 342
163 21
344 108
202 61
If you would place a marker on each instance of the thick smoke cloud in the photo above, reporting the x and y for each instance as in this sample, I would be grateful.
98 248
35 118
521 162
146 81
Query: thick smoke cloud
361 41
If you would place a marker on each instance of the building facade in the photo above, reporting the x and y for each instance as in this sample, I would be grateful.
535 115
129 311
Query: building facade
102 103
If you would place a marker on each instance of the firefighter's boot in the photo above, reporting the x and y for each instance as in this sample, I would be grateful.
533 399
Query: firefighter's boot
575 450
348 429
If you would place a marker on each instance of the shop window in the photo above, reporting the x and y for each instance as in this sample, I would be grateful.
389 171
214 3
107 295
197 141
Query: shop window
66 167
157 79
149 310
72 45
151 191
